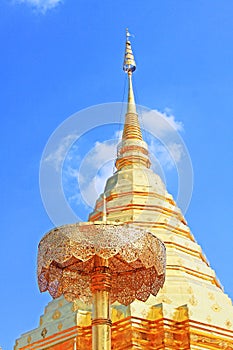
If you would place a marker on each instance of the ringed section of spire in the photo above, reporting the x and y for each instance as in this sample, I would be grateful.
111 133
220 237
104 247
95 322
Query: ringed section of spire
132 150
132 154
129 61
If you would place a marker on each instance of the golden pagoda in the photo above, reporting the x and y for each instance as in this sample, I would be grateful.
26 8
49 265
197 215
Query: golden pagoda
191 311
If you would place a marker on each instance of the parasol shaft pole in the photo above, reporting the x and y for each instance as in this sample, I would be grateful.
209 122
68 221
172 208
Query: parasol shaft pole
101 322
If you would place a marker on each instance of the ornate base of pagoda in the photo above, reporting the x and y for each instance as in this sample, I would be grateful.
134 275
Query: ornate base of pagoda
155 332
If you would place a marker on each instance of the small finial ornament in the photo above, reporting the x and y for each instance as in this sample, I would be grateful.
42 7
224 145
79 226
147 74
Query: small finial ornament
127 34
129 65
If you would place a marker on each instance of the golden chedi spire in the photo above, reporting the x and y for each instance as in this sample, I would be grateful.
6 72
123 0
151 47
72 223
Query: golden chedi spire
132 128
132 151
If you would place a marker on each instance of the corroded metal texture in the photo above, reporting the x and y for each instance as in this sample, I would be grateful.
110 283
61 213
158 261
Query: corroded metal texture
66 261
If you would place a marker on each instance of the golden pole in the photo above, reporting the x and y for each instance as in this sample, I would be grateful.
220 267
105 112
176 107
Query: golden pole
101 322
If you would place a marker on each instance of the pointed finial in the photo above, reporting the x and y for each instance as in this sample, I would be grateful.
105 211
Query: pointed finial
132 151
129 65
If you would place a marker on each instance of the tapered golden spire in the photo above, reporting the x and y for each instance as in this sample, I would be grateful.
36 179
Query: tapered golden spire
132 150
132 127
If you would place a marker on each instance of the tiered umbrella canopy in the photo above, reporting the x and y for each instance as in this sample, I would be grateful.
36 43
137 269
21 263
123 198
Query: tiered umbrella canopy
66 261
101 263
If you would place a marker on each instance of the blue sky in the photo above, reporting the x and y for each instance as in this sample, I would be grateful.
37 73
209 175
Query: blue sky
58 57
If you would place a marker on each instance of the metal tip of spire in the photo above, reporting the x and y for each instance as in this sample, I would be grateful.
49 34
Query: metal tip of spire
127 34
129 65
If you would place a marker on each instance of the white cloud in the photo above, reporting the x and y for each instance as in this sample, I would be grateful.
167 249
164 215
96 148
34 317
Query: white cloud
164 140
102 152
95 169
56 157
167 156
161 124
176 150
90 176
92 189
41 5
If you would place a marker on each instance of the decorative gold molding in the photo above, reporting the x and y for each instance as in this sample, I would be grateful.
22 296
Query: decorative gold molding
216 308
60 304
193 301
56 315
59 326
228 323
211 296
44 332
29 339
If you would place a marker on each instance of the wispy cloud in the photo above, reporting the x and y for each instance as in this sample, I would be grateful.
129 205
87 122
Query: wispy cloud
167 156
41 5
161 124
163 140
95 168
84 178
91 189
56 158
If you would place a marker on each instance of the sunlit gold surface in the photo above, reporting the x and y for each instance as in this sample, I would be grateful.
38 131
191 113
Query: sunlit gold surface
101 318
66 260
132 151
191 311
100 262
